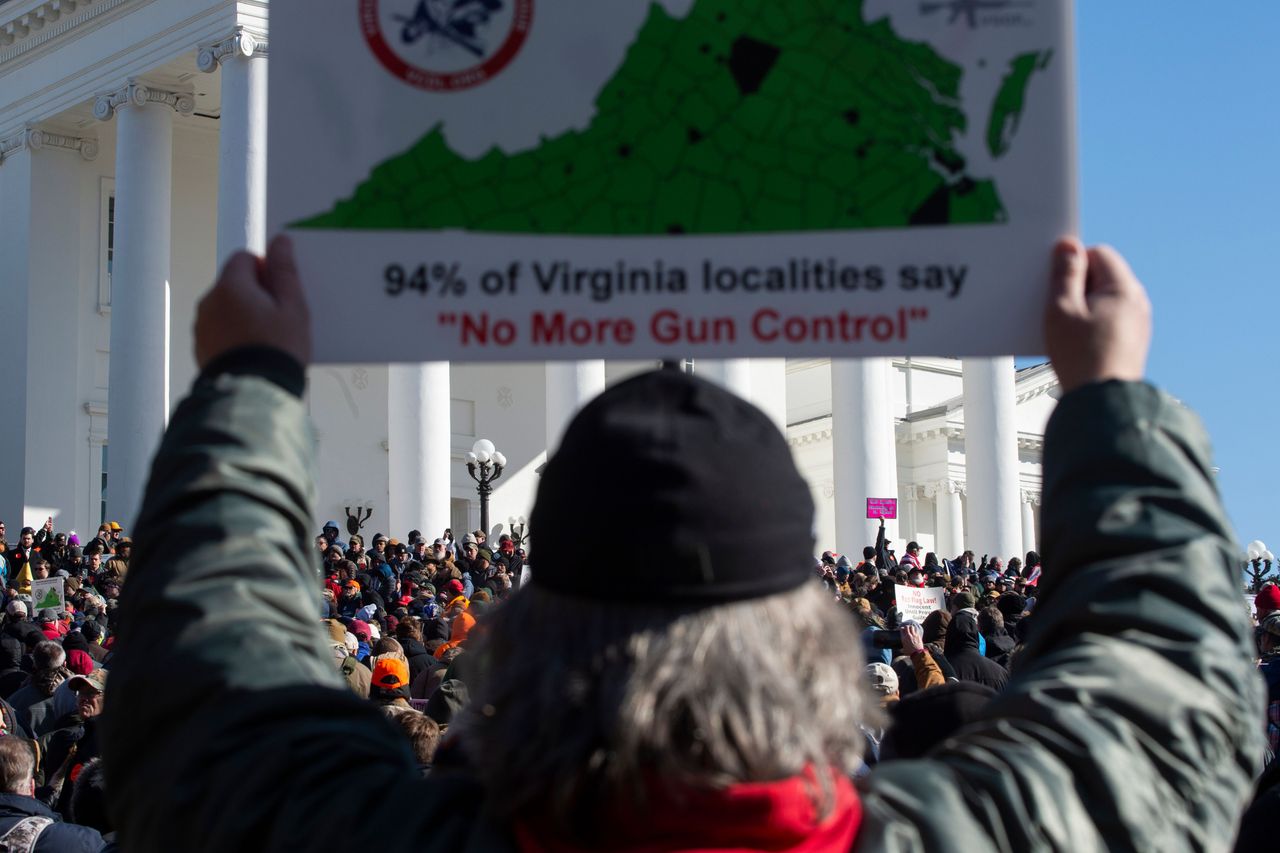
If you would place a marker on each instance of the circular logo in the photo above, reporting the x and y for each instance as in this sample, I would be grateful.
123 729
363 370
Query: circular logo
446 45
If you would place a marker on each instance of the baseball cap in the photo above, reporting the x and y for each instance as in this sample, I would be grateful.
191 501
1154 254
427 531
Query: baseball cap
883 679
96 681
17 608
390 673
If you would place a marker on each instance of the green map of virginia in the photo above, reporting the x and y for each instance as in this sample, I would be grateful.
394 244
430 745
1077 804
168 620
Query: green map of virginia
50 601
743 116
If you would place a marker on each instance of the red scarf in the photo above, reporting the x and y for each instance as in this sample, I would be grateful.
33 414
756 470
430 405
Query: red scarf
770 816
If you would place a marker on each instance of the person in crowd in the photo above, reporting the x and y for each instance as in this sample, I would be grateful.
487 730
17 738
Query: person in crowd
41 698
1267 601
343 646
12 675
703 702
423 734
968 661
27 824
923 720
911 559
89 799
18 561
67 749
999 644
332 534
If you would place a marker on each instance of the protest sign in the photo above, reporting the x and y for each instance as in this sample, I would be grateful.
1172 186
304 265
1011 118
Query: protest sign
527 179
915 604
49 593
882 507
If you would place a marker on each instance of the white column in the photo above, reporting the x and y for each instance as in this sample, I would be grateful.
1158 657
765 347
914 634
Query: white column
864 449
733 374
419 448
242 142
138 391
950 520
16 202
570 386
908 523
1029 501
991 457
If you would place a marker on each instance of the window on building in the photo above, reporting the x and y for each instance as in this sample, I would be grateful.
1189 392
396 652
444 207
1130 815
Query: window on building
106 243
102 501
459 518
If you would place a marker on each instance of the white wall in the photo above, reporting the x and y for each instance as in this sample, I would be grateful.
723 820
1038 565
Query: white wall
509 402
348 405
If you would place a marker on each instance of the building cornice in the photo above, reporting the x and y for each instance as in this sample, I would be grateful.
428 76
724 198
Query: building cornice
139 95
242 42
29 25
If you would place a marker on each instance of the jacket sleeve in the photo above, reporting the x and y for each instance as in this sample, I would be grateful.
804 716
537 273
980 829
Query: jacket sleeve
1133 721
928 673
225 700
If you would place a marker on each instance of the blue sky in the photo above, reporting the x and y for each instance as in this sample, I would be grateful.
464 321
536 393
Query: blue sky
1180 150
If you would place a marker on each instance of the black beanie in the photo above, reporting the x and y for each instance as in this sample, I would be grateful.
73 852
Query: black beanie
700 481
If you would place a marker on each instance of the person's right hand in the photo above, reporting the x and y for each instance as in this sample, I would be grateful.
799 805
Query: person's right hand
256 302
1098 321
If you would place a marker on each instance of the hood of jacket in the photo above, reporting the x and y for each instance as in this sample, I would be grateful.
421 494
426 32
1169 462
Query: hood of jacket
962 634
11 652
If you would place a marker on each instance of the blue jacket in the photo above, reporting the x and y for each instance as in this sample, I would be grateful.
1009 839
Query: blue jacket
58 838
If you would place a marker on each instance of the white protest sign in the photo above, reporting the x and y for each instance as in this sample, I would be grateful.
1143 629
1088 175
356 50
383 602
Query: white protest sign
565 179
915 603
49 593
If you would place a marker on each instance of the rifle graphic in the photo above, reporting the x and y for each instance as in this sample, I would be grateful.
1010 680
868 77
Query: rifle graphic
456 24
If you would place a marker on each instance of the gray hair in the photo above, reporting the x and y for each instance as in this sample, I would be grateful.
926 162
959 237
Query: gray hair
576 703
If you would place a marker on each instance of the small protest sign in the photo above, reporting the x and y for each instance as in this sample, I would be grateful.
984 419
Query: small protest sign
915 604
882 507
49 594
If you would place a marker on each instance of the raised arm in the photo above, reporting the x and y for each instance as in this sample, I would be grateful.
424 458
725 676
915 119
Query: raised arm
227 725
1133 721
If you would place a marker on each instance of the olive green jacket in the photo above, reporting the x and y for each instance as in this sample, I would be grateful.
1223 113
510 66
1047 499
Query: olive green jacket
1133 720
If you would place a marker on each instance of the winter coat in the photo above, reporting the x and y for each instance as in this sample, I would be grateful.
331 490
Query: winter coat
962 653
416 654
58 837
1000 647
357 675
1134 721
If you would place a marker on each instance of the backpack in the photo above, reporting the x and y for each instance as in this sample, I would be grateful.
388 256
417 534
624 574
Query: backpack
23 836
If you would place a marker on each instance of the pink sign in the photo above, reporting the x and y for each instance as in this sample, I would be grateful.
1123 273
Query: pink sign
882 507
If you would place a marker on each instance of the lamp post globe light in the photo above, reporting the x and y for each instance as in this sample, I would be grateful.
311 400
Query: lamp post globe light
485 464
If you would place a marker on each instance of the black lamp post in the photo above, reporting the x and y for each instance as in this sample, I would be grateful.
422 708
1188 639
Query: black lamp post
519 530
485 464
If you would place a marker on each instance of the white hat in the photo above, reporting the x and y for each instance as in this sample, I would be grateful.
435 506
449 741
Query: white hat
883 679
17 608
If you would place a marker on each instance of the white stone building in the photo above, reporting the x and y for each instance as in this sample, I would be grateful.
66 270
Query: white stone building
132 159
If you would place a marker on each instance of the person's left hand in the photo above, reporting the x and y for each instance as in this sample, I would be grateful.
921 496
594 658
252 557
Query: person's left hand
912 638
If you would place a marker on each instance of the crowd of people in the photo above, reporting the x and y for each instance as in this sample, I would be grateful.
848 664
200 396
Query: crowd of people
717 687
400 616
